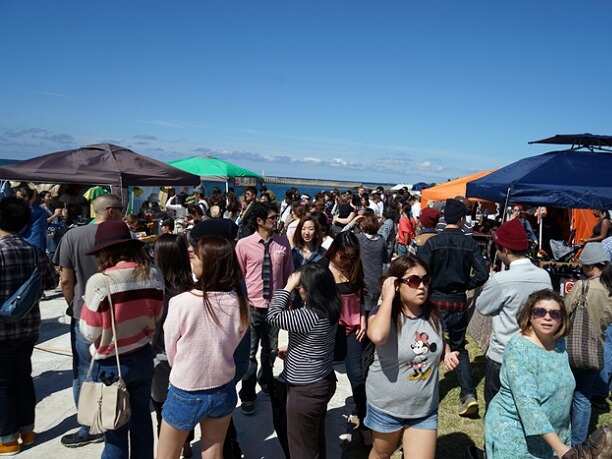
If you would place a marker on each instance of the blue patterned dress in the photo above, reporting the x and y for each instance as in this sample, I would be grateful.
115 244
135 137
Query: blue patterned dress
534 399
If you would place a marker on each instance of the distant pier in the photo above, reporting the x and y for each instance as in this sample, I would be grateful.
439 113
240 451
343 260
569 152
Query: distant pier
324 184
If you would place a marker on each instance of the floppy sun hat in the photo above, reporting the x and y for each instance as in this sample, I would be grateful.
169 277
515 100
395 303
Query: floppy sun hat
111 233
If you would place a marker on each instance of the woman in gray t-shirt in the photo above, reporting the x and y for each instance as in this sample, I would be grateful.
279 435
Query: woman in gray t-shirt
402 382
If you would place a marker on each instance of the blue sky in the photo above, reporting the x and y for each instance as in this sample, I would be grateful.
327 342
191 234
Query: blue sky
386 91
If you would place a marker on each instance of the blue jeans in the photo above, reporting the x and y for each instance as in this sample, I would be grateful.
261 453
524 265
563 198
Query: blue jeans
137 372
603 383
581 405
402 251
80 365
456 326
268 335
17 398
352 363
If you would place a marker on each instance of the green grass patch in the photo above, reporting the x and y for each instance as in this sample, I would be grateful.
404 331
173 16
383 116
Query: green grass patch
456 433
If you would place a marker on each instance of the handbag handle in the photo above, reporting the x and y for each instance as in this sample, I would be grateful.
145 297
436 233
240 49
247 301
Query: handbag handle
581 300
110 306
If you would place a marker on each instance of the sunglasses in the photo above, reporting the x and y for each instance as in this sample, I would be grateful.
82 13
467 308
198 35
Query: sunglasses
346 256
539 313
415 281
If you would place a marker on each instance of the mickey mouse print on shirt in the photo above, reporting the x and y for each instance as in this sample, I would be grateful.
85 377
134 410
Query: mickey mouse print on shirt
421 348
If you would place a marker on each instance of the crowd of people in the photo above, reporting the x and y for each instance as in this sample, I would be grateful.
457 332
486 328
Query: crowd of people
366 279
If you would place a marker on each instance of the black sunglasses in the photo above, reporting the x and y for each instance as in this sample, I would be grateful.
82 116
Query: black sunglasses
414 281
539 313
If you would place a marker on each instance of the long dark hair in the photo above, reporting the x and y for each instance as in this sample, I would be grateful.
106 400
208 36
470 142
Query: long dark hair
221 273
431 313
347 243
298 240
320 286
172 257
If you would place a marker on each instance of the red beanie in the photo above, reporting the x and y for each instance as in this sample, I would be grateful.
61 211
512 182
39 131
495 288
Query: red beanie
429 217
512 236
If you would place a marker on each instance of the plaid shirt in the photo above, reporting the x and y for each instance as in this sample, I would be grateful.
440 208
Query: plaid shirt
17 261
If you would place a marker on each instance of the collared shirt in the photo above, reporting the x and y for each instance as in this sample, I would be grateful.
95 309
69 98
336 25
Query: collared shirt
250 252
17 262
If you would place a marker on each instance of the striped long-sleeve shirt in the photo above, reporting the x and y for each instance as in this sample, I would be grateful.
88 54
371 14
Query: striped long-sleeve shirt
310 352
137 307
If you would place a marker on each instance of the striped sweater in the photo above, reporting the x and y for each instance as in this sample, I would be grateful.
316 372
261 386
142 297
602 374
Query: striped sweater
310 352
137 306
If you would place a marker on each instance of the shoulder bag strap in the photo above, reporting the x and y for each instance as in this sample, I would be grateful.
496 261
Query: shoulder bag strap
579 300
110 302
110 306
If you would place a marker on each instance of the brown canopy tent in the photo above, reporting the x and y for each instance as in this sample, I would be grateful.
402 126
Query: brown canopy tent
102 164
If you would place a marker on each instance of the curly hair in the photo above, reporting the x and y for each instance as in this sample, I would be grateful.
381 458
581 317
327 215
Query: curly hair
523 317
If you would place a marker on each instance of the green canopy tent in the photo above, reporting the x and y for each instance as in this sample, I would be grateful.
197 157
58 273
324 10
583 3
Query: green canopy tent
216 170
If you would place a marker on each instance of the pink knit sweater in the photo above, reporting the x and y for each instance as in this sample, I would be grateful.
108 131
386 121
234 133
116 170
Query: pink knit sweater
199 351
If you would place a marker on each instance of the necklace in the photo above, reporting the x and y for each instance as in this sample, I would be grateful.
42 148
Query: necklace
339 275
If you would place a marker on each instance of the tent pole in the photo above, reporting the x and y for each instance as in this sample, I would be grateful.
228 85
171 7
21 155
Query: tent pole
506 205
541 227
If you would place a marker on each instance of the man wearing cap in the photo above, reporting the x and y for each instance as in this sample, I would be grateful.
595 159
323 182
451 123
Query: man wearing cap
151 206
199 194
265 259
244 220
504 293
468 224
429 220
457 265
75 270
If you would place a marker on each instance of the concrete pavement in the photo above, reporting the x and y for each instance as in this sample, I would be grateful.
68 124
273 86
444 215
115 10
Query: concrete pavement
56 413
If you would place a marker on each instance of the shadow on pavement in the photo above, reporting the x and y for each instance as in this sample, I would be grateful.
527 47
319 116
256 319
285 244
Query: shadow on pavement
53 327
51 381
58 431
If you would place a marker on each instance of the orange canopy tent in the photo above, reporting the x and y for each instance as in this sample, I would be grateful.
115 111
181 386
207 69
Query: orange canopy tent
450 189
583 222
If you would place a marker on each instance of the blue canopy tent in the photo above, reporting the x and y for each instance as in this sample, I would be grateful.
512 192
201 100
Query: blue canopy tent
570 179
590 141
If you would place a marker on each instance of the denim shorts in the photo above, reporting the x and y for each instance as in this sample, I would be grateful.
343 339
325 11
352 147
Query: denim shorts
385 423
184 410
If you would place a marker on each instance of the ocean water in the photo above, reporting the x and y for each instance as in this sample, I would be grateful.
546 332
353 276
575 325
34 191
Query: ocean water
278 190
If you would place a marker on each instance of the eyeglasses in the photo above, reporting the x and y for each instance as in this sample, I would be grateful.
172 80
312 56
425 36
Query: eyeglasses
539 313
415 281
273 218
